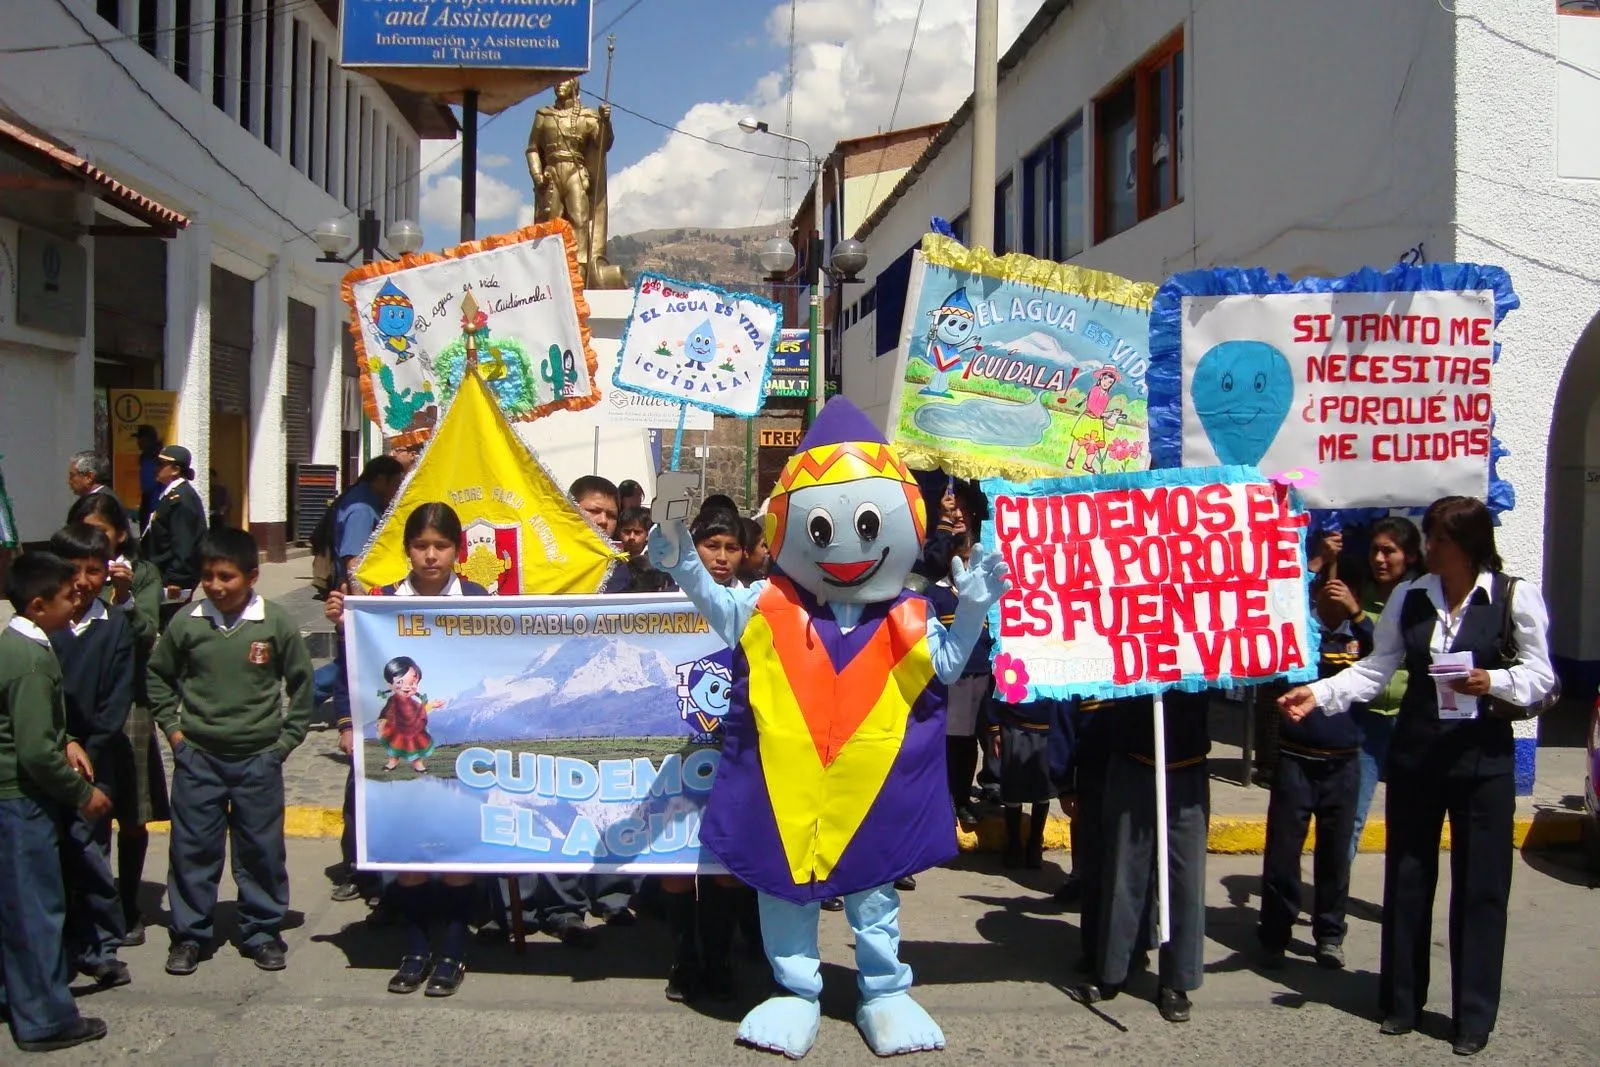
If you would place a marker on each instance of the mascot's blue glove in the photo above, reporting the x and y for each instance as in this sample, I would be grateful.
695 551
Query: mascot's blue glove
665 543
980 582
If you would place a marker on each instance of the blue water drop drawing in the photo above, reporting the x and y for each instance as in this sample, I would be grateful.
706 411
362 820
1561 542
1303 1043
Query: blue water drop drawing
700 346
1242 392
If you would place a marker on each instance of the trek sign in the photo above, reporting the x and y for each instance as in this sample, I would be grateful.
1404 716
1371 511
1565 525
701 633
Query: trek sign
546 35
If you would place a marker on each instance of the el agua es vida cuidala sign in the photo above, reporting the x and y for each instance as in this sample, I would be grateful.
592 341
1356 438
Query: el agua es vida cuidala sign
1136 583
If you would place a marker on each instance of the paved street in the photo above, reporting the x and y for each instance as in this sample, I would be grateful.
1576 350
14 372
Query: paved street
990 953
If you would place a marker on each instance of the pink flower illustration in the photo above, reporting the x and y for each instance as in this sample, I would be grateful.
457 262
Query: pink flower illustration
1297 478
1010 678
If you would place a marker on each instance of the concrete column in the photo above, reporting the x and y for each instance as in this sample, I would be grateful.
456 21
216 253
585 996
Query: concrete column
380 166
282 77
302 96
269 388
234 60
166 27
79 421
128 16
258 71
327 409
188 343
336 94
202 32
361 163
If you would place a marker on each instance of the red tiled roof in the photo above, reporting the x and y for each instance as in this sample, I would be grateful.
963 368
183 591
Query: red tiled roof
130 200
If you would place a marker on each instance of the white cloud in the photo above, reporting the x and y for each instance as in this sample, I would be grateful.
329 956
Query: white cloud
847 69
498 200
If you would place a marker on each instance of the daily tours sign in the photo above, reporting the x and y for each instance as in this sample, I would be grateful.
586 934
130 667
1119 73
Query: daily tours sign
1372 390
1137 583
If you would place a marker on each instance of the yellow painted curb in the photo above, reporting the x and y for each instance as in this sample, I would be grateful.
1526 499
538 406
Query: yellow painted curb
1230 835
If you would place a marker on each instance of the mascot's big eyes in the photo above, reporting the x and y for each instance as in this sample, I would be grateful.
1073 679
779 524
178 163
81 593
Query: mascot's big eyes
869 522
819 525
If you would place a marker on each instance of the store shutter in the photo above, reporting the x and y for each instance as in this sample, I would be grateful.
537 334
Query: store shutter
230 378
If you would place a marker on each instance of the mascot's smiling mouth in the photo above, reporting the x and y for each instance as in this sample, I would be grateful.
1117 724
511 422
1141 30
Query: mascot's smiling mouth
849 574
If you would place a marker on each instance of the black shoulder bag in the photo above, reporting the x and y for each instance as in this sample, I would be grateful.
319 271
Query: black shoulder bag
1504 589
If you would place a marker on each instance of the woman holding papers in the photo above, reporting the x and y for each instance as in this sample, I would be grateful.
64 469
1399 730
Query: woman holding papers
1450 756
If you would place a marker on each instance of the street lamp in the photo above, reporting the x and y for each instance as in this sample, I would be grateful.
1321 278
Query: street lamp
779 251
333 236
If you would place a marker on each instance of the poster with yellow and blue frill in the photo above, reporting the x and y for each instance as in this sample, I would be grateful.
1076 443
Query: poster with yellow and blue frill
1020 367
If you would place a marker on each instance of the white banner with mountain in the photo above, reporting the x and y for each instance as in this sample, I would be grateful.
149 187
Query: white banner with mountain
528 734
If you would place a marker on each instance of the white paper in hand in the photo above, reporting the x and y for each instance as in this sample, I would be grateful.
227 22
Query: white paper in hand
672 500
1448 667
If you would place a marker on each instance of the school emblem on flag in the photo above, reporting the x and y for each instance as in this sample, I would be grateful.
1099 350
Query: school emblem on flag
260 653
491 555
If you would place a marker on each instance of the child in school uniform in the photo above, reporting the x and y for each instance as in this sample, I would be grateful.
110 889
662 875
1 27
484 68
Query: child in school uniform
133 591
1020 738
40 773
1318 776
433 542
633 526
95 650
231 657
703 911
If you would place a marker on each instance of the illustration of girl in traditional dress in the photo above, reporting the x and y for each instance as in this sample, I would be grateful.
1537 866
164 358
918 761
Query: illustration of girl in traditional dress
403 722
1091 430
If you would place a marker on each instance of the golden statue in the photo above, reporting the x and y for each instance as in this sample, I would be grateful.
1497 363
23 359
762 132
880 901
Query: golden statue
567 149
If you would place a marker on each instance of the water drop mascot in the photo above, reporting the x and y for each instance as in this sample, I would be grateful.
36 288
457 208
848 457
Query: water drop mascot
832 780
950 340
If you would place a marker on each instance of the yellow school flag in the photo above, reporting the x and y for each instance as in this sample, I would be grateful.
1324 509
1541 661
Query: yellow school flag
521 535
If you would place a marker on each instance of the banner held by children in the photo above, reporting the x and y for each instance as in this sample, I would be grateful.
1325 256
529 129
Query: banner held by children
1372 390
405 316
692 343
1130 584
522 735
1020 367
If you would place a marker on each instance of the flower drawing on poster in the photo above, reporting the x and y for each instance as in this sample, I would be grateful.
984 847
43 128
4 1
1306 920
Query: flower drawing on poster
516 294
695 344
1020 367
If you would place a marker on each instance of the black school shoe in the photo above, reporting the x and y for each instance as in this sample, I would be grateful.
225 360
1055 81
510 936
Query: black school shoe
1397 1026
1094 992
108 975
833 904
683 981
80 1032
1330 956
271 956
906 884
135 934
412 973
1469 1044
1173 1005
183 958
446 978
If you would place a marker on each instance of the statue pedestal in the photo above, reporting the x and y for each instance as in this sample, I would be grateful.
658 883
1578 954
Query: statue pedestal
593 441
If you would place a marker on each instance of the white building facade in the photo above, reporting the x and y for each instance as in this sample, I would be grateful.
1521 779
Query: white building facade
235 114
1147 137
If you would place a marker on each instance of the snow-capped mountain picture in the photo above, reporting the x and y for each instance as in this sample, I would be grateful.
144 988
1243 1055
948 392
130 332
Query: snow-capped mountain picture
532 733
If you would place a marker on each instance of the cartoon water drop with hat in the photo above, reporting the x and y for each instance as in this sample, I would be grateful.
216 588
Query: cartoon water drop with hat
950 340
393 316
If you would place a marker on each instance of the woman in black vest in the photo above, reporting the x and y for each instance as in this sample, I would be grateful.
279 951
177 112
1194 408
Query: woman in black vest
1449 757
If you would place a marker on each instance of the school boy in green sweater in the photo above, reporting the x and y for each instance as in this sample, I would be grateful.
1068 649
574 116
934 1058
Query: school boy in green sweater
40 771
230 657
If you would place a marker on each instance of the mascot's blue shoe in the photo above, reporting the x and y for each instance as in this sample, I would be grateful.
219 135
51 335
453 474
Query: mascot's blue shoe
897 1024
787 1025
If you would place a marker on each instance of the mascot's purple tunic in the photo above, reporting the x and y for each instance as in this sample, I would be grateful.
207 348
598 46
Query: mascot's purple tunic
832 780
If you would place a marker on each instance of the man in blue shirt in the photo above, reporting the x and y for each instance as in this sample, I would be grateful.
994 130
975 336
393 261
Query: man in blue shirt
358 509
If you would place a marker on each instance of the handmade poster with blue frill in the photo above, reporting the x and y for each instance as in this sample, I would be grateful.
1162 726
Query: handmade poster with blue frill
692 343
1373 390
1019 367
1128 584
528 734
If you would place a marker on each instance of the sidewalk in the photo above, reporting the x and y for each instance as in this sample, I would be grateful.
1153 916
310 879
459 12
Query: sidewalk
1553 816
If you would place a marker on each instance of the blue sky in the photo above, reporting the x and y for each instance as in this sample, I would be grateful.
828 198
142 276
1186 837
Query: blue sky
700 65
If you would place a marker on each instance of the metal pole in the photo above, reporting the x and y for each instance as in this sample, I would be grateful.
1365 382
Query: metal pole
1163 886
985 107
815 275
469 165
750 464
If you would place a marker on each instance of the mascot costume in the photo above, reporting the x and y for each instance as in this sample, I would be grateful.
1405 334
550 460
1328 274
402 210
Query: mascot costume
832 780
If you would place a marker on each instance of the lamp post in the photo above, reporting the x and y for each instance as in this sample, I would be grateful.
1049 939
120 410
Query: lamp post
777 257
333 236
